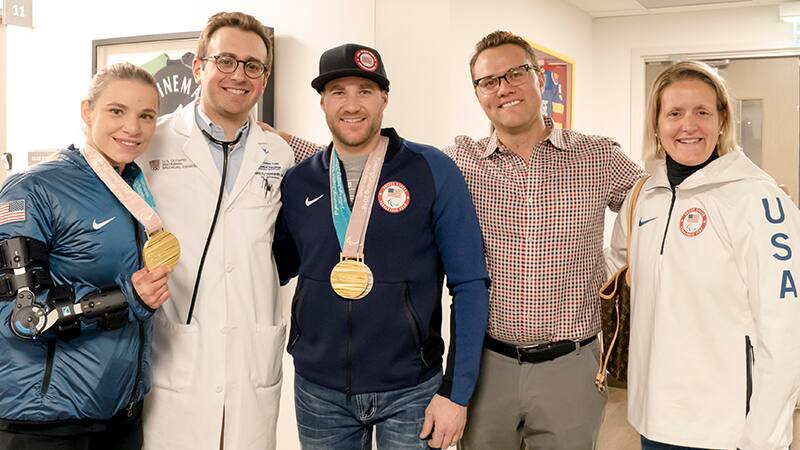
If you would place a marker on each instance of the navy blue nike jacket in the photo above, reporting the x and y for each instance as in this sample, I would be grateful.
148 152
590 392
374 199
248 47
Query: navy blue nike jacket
93 244
423 227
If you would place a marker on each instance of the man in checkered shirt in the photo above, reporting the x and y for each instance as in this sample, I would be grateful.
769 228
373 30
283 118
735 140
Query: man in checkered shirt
541 194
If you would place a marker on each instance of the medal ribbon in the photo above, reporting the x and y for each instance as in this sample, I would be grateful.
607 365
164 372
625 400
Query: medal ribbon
351 227
130 199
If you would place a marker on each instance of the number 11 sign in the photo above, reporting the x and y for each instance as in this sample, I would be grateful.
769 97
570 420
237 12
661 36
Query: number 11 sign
18 12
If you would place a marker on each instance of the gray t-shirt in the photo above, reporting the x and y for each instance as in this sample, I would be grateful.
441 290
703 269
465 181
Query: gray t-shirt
353 167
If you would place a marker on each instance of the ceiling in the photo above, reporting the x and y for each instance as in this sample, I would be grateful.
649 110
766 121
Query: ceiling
610 8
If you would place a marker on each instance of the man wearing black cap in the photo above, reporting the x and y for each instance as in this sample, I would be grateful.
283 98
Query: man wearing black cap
371 225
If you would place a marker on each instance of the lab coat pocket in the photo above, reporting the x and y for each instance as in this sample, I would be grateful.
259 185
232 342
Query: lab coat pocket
267 354
175 346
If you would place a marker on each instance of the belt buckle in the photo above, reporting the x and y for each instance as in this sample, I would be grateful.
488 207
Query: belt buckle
534 347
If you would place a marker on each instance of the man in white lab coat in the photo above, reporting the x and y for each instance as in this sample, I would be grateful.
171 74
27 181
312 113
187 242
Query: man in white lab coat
215 177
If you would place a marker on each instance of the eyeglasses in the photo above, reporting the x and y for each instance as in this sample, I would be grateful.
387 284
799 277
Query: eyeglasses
515 76
228 64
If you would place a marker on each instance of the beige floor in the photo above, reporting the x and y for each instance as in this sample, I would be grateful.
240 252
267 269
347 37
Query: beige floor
617 434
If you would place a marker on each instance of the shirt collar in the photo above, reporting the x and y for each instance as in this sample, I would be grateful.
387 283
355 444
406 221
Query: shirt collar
556 137
206 124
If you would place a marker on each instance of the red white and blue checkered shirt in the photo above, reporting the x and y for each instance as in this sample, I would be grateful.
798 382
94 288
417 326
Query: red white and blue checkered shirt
542 225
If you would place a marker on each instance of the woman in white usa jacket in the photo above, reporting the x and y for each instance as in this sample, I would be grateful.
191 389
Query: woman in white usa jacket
715 325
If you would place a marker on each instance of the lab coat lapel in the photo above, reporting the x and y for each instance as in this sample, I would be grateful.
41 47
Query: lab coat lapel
196 147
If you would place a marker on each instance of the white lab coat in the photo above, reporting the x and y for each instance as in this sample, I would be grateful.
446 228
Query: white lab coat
229 358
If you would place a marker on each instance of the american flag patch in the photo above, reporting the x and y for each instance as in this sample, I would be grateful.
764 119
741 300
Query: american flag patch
13 211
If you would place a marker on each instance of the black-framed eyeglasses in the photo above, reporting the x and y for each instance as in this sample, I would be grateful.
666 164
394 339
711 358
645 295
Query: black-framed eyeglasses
515 76
253 68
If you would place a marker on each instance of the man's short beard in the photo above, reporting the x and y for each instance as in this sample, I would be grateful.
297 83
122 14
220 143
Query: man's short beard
374 128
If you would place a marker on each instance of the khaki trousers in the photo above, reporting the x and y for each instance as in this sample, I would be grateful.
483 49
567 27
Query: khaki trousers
553 405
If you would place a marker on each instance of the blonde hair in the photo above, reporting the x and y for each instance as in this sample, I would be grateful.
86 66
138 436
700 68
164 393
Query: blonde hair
681 71
114 72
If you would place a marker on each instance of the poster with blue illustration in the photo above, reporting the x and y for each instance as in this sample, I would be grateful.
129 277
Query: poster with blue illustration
557 71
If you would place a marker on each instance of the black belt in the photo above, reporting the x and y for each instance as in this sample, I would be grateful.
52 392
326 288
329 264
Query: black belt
536 353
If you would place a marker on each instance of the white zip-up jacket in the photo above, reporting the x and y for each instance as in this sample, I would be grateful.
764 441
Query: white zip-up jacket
715 320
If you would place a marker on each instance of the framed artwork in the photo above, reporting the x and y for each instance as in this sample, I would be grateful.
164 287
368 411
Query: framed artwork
168 57
559 83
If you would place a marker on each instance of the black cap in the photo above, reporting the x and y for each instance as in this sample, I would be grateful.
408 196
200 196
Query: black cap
351 60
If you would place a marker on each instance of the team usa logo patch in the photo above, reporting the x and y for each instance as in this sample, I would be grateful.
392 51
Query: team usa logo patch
366 60
693 222
394 197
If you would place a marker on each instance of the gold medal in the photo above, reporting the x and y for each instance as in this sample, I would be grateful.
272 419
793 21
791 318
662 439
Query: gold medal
351 278
161 249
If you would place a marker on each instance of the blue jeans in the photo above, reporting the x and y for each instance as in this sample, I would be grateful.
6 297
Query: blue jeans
647 444
328 420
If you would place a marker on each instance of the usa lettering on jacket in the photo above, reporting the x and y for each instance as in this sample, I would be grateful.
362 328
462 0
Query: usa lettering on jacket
780 240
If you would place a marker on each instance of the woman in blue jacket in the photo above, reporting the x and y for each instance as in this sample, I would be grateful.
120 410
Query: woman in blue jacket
75 302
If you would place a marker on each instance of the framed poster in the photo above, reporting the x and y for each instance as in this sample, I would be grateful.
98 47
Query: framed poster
559 81
168 57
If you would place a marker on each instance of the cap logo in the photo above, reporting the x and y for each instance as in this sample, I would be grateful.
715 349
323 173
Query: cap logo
366 60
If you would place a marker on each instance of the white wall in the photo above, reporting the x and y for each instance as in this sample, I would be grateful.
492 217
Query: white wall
426 45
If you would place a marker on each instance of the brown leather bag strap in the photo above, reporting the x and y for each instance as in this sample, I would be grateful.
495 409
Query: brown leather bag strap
637 189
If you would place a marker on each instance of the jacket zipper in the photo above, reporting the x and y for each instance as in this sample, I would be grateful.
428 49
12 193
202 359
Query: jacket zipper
132 400
750 361
348 369
138 379
669 217
48 368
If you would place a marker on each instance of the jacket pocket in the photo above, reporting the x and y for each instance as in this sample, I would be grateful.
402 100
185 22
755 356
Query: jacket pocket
413 321
267 354
297 303
749 357
175 347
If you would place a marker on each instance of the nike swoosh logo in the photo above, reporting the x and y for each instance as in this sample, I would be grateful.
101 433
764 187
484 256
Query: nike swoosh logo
97 225
643 222
311 202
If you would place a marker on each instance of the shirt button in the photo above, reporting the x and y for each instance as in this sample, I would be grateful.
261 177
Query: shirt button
219 389
530 200
223 330
229 268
